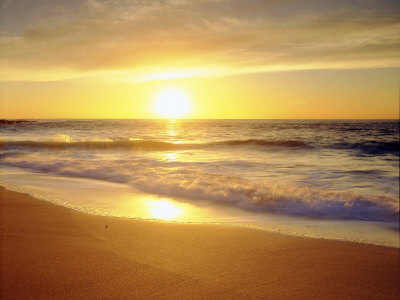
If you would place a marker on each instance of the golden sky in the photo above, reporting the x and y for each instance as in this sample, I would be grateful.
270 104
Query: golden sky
233 58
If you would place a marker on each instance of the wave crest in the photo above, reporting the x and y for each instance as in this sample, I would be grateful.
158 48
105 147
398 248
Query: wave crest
63 141
267 143
372 147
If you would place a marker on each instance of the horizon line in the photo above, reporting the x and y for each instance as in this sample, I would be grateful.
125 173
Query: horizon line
194 119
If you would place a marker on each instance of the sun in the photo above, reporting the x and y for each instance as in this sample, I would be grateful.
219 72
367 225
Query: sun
172 103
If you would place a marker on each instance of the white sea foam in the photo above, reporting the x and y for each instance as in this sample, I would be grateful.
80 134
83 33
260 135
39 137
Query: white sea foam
192 182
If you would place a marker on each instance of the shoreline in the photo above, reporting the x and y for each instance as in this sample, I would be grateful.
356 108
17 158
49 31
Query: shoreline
51 251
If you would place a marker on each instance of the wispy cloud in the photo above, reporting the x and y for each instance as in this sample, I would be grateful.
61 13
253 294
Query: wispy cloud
54 40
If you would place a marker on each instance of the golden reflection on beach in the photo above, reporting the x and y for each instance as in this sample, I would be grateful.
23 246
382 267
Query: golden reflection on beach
164 209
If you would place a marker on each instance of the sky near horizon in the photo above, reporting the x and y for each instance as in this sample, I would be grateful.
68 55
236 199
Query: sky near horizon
232 58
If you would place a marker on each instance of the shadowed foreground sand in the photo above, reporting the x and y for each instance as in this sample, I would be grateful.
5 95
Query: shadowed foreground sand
53 252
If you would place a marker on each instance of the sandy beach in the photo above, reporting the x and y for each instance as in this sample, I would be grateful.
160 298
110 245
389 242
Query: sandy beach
51 252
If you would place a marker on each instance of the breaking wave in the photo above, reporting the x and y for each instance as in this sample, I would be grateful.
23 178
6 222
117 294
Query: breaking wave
197 185
64 142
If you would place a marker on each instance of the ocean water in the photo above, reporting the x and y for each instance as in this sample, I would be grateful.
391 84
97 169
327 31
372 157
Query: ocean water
338 177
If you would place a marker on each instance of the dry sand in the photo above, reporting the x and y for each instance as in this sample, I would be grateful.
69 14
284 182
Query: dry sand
51 252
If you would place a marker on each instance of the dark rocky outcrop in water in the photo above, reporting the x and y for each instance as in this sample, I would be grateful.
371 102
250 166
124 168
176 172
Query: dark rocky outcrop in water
8 122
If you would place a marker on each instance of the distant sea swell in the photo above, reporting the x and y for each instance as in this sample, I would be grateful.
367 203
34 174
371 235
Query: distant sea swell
137 144
368 147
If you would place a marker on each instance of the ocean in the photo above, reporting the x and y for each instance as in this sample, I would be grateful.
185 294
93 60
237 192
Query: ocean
336 179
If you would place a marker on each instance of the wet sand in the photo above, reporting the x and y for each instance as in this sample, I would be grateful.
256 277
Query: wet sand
51 252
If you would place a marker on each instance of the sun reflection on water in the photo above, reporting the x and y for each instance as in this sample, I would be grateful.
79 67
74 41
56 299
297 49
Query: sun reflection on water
171 156
164 209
